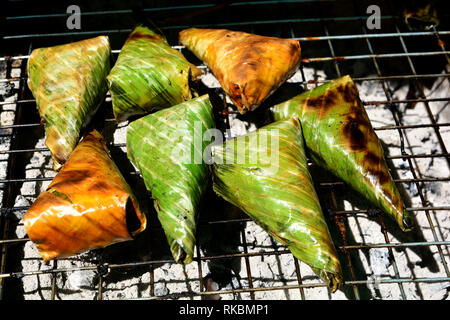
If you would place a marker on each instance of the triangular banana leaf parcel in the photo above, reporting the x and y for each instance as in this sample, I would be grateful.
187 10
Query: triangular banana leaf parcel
265 173
340 138
167 147
88 205
149 75
69 83
249 67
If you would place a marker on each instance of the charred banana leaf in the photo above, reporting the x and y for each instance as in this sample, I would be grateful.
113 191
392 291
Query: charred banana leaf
69 83
249 67
149 75
167 148
265 173
88 205
340 138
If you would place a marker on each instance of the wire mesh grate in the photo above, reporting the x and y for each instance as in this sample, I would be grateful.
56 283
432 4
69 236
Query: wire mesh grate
338 45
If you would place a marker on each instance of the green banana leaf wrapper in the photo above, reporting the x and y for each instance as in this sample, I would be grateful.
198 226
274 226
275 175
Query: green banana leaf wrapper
149 75
265 174
69 84
167 148
340 138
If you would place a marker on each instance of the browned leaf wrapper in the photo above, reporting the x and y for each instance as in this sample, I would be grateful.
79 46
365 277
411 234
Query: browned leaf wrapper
249 67
88 205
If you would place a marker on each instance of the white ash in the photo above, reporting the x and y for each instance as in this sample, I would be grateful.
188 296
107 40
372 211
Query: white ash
161 290
8 93
80 279
273 270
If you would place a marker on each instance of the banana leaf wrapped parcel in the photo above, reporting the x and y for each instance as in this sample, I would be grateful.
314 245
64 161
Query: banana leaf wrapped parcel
249 67
88 205
167 147
340 138
265 173
69 84
149 75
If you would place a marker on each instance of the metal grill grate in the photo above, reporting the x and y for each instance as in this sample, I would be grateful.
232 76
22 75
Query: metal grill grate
328 48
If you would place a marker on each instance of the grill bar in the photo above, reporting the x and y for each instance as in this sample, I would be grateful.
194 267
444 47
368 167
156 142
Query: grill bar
314 81
311 285
347 247
53 275
217 25
388 127
322 184
199 266
247 264
299 279
185 7
6 211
